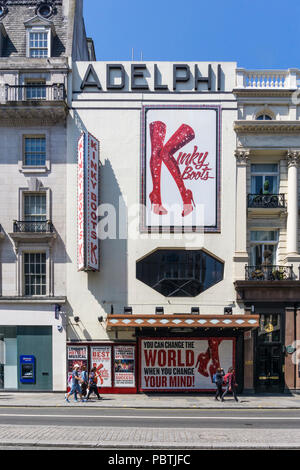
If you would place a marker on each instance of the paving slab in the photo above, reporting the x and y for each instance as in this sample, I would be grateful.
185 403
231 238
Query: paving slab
150 438
180 401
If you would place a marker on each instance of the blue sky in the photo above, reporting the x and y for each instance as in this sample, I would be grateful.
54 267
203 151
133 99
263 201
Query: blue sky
254 33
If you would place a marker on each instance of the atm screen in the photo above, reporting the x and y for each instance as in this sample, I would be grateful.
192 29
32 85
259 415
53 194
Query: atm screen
27 371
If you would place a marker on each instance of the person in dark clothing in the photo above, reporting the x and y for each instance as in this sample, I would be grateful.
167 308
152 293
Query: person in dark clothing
219 382
84 380
231 384
92 384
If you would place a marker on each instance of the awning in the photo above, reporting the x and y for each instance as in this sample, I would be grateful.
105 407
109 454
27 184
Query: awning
183 321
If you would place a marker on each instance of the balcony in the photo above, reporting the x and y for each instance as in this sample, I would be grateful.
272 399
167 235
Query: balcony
41 231
269 273
38 226
39 92
264 204
272 81
268 284
41 103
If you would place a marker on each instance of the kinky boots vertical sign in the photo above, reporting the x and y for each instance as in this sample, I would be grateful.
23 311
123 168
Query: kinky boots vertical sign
87 203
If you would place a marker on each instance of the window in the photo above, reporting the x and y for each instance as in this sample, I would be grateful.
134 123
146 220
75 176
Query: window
39 44
180 273
35 89
269 328
264 178
45 11
35 212
35 151
35 273
263 247
264 117
35 207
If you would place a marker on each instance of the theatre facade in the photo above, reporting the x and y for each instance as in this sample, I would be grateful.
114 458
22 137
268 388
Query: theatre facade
151 227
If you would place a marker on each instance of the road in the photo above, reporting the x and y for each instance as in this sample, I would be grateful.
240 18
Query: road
227 419
149 428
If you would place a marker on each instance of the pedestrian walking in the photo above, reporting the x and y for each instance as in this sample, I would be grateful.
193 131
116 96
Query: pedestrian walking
75 386
231 384
219 377
92 384
84 380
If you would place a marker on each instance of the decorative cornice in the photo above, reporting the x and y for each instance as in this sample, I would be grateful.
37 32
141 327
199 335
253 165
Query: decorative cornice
267 127
265 92
32 300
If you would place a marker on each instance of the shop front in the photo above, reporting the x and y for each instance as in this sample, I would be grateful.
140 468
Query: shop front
181 353
26 358
275 342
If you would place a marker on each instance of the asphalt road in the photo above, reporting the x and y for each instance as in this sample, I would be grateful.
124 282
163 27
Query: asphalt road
152 418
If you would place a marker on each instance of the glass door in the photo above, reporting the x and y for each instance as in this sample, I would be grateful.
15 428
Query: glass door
269 355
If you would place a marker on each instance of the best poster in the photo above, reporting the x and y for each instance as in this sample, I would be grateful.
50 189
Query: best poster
101 356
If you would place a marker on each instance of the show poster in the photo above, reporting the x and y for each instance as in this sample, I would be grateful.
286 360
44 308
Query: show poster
101 359
181 158
76 355
175 364
124 366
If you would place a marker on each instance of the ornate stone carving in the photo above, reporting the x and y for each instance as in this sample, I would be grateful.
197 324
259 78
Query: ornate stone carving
242 156
293 158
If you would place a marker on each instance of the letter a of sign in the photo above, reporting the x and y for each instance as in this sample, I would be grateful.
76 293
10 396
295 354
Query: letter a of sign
90 79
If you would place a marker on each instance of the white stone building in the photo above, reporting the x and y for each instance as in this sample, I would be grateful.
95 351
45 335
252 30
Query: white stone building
38 41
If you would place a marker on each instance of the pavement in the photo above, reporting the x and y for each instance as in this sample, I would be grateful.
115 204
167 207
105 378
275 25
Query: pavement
155 400
117 438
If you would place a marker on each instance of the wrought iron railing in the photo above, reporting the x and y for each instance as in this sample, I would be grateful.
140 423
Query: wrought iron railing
266 201
35 92
38 226
269 273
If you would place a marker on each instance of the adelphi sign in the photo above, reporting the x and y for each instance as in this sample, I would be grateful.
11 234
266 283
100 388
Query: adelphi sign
146 77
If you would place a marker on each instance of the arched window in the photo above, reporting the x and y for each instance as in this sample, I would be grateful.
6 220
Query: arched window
264 117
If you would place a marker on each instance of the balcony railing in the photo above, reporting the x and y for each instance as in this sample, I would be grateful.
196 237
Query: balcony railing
269 273
41 226
264 79
39 92
266 201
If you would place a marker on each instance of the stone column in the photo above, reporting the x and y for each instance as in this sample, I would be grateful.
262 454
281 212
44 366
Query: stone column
241 255
296 355
293 158
292 256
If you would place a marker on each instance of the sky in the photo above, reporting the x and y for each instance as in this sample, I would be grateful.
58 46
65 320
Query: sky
257 34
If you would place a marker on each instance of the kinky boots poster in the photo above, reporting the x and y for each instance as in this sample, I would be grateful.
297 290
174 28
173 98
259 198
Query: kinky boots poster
177 364
181 168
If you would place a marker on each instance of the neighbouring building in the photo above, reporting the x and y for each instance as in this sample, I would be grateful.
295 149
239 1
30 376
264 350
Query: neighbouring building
38 41
267 256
